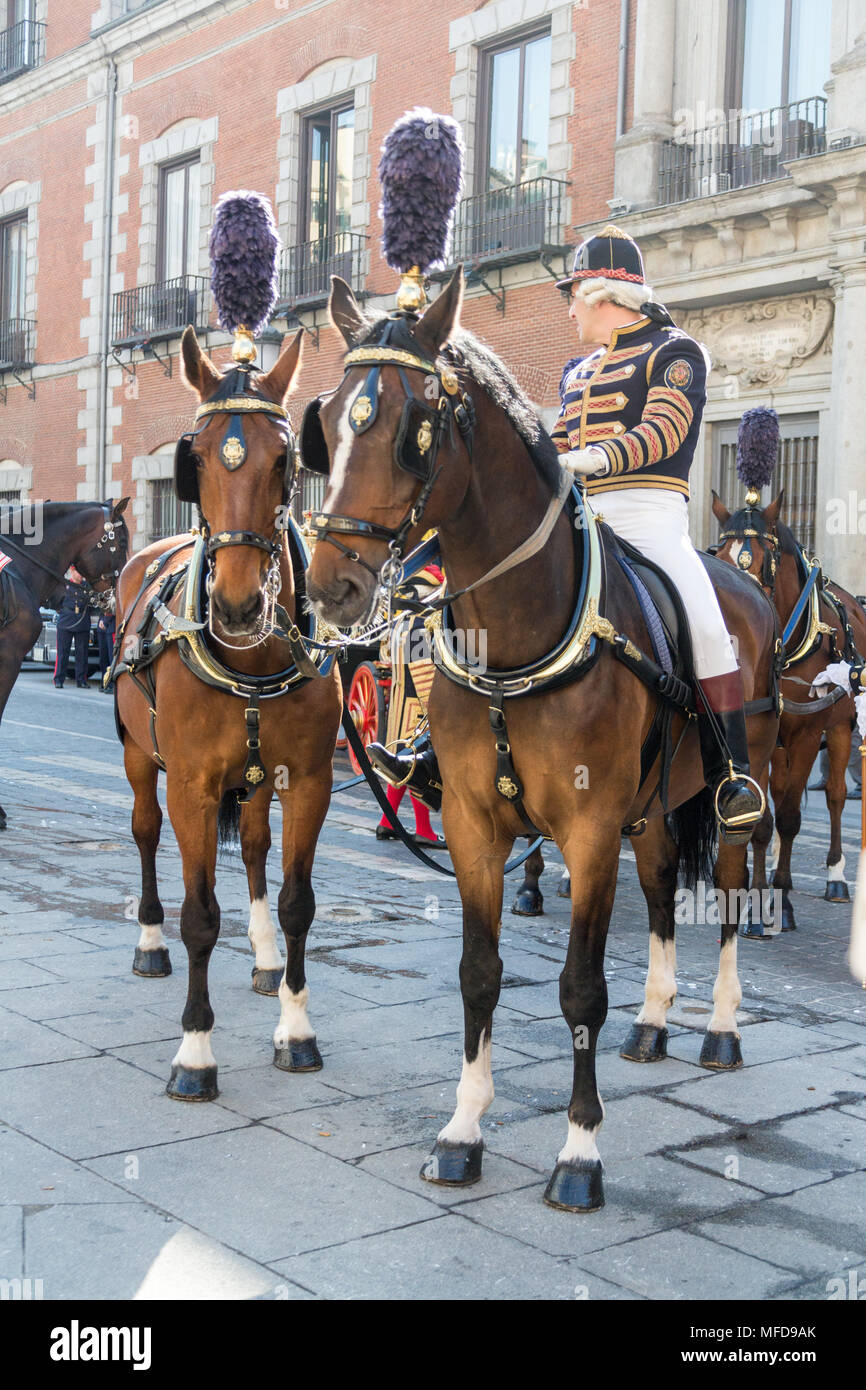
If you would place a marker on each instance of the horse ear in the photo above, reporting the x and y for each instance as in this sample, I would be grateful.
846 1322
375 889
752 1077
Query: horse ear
720 511
278 382
197 370
119 508
771 513
438 323
344 311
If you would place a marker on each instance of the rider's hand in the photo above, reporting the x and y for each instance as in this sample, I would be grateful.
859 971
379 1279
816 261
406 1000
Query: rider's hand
586 462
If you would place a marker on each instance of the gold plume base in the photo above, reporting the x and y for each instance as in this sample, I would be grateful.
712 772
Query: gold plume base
753 497
412 294
244 350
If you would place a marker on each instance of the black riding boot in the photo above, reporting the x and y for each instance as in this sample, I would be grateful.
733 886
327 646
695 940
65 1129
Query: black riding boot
414 767
739 800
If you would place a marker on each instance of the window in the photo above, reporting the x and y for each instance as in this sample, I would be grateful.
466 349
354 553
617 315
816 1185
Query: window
10 497
515 112
13 268
21 40
326 186
168 516
779 52
179 219
796 471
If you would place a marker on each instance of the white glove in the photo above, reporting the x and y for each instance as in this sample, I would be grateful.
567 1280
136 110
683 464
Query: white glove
586 462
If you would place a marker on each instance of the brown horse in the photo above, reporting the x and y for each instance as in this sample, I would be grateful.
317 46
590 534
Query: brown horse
92 536
776 561
197 731
495 473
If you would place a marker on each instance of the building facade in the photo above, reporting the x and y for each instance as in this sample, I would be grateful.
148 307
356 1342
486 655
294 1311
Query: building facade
732 149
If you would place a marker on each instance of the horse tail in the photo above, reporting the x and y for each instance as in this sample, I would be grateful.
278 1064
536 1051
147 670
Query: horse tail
229 821
693 826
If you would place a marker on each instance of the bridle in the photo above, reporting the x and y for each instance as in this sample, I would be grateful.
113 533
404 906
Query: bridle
416 445
236 398
746 526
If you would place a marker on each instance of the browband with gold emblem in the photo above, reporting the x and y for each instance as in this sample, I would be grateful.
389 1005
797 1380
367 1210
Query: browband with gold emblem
237 405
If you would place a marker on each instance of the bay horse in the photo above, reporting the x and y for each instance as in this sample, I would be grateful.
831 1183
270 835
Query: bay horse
92 536
758 543
189 720
408 381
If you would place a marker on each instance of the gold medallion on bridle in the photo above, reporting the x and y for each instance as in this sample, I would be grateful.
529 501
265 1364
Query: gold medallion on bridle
506 788
361 410
448 377
424 436
233 452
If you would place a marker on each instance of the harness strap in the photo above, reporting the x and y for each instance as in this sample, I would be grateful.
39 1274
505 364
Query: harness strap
800 605
254 769
508 784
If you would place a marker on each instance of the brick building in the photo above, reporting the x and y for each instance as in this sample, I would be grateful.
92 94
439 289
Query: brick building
121 125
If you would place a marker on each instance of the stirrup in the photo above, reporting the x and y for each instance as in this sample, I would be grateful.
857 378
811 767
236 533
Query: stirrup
737 823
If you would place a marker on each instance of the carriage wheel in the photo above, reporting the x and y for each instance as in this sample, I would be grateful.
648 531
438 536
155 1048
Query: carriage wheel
366 703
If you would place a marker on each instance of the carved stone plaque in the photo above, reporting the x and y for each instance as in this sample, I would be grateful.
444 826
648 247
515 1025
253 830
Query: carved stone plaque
761 341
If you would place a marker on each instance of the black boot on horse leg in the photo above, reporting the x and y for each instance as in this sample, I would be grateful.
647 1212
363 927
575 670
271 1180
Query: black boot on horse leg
151 959
414 767
739 800
529 899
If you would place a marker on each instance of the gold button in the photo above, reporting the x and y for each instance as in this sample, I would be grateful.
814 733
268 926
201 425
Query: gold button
618 427
620 400
629 369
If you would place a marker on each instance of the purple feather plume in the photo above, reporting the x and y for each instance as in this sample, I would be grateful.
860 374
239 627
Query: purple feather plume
757 446
421 173
243 252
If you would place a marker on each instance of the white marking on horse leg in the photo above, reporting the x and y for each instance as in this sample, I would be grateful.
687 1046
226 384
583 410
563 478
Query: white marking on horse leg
773 851
474 1094
661 982
836 872
580 1144
150 938
727 993
294 1024
195 1051
263 935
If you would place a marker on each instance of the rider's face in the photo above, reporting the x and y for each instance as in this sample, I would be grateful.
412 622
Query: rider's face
581 314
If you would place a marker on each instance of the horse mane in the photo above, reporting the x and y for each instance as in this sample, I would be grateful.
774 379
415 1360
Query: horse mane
465 350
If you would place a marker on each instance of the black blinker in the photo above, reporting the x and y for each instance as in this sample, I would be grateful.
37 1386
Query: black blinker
185 472
417 440
314 451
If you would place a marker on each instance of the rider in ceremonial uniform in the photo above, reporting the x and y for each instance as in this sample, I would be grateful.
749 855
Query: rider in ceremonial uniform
630 418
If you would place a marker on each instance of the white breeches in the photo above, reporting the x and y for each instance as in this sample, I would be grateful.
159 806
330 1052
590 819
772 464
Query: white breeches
657 522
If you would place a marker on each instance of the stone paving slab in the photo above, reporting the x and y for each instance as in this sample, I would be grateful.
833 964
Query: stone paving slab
681 1265
772 1090
773 1231
35 1175
309 1201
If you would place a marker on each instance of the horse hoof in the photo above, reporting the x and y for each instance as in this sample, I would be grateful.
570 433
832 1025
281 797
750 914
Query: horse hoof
192 1083
645 1043
528 903
576 1186
563 888
721 1052
153 964
300 1054
267 981
836 891
453 1165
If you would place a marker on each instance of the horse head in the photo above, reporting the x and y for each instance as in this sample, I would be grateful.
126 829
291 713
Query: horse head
749 539
105 546
386 439
237 465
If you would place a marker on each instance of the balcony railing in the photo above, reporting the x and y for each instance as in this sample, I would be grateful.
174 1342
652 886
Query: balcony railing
305 274
22 46
749 148
510 224
17 337
152 312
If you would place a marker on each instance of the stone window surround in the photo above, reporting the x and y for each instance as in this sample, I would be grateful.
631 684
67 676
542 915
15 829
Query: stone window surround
186 137
333 82
470 34
15 476
146 468
25 197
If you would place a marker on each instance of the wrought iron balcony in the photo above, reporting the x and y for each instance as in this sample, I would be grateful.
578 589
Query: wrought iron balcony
520 222
750 148
305 274
22 47
17 337
150 313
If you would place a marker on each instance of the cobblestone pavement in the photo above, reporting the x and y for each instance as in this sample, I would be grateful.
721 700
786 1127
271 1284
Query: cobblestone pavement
749 1185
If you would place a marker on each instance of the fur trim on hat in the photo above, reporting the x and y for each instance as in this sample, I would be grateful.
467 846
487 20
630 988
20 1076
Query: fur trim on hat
600 290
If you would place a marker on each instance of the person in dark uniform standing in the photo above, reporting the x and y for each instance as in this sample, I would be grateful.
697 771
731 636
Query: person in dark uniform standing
105 635
73 624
